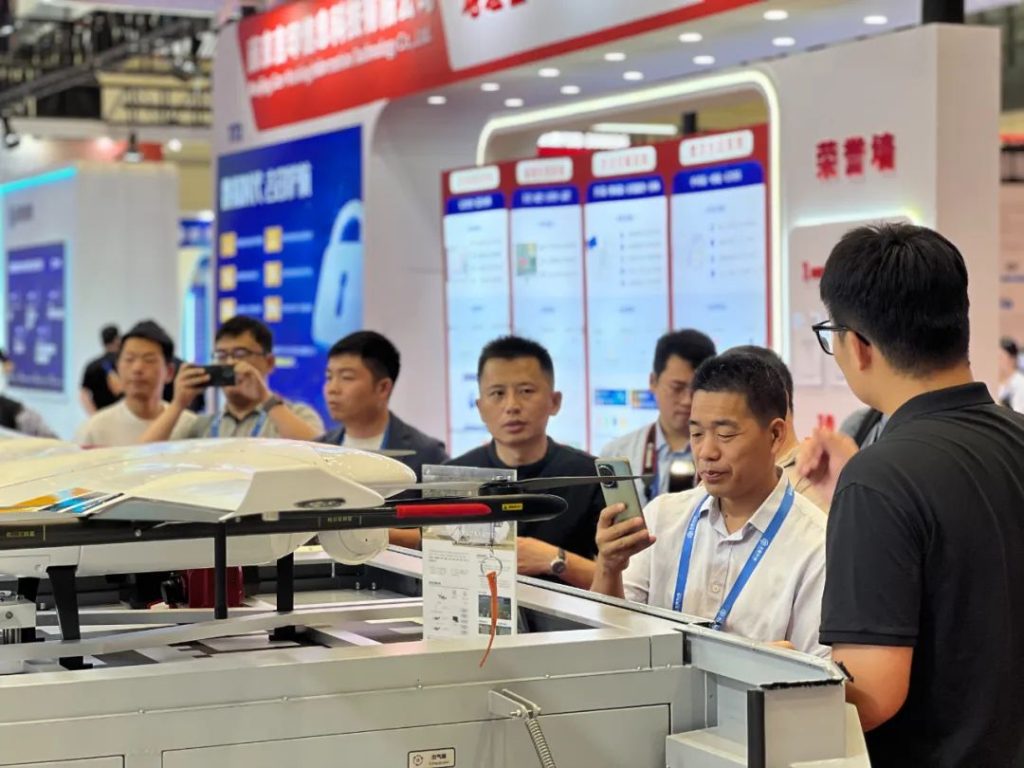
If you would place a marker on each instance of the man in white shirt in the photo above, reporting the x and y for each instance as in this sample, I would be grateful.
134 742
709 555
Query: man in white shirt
1011 380
655 448
744 550
143 367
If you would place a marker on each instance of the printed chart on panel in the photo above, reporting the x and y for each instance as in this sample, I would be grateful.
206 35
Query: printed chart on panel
476 263
719 253
290 251
627 300
35 316
547 290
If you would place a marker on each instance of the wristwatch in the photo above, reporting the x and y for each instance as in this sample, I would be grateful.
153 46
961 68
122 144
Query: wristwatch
271 403
558 564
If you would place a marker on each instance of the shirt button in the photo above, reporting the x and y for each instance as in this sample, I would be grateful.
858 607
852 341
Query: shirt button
716 588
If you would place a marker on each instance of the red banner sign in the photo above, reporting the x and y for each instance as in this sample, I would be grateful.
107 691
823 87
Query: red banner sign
311 58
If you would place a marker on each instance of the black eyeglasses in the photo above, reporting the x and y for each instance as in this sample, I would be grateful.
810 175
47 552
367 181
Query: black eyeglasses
824 331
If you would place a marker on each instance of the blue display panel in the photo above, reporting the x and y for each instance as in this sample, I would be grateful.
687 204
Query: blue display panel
290 250
477 306
719 247
35 316
627 300
547 295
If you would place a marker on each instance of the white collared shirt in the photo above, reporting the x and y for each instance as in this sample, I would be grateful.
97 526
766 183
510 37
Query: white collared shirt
634 445
782 600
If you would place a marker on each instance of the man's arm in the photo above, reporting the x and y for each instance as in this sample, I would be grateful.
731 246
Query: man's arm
190 381
821 460
872 601
881 680
293 426
616 544
536 556
85 398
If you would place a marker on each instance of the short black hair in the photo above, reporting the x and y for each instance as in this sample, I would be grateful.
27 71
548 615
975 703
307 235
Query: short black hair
903 289
771 357
748 375
241 325
513 348
109 334
150 330
691 345
1009 346
375 349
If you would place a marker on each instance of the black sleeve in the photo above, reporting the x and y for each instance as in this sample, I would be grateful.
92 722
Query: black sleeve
873 571
435 454
89 378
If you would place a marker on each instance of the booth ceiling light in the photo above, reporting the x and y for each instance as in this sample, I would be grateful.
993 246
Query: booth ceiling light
437 101
704 60
615 56
783 42
570 90
876 20
691 37
11 137
490 87
776 15
633 75
6 30
174 145
549 72
514 103
643 129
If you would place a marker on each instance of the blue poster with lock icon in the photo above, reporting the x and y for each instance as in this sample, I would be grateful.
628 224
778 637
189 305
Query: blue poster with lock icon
290 250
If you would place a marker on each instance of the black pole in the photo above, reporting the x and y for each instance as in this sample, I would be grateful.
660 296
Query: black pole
285 595
757 748
65 598
942 11
220 572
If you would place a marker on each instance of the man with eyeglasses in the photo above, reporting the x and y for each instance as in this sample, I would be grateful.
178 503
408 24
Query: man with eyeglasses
924 583
252 409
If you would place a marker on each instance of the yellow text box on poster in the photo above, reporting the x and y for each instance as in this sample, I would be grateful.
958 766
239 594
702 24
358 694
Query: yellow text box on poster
228 308
272 274
228 279
272 309
273 240
228 245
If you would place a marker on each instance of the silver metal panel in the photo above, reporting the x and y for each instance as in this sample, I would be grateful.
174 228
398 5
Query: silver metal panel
96 762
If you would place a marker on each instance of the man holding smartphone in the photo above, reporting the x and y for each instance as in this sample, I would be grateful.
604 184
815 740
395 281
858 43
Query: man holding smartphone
744 550
252 409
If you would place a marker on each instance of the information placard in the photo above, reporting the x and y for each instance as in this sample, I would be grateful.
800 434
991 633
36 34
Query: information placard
35 316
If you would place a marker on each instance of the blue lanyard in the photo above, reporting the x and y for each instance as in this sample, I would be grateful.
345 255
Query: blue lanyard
215 426
752 562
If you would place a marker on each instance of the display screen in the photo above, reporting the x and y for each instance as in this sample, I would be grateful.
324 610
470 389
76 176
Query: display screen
35 316
478 303
290 250
626 224
719 253
547 295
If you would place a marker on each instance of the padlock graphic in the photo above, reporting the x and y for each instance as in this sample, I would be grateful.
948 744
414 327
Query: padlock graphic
338 310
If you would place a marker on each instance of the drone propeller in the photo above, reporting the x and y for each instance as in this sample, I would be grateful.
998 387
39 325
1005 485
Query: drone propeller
503 487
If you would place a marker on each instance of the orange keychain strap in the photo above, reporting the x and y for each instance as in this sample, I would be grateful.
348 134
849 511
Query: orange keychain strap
492 586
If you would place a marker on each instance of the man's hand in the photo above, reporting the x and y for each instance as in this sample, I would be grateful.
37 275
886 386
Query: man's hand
250 383
189 384
535 556
822 458
616 543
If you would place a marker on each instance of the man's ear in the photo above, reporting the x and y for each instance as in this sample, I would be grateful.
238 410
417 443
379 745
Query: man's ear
863 353
652 382
272 362
556 403
779 430
386 386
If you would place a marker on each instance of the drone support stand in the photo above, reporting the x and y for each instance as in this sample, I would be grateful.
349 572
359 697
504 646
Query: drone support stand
285 595
220 572
28 589
65 598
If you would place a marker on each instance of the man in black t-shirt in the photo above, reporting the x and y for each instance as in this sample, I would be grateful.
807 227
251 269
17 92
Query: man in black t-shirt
924 584
517 398
100 386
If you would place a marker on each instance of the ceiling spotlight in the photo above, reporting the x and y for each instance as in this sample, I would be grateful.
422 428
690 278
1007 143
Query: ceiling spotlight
132 154
570 90
783 42
174 145
776 15
6 29
633 75
691 37
876 20
704 60
490 87
549 72
437 101
514 103
615 56
11 137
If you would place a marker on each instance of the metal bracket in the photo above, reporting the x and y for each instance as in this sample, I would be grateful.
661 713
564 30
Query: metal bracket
505 703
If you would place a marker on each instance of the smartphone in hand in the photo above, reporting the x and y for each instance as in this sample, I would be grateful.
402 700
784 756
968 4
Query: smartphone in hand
220 375
619 491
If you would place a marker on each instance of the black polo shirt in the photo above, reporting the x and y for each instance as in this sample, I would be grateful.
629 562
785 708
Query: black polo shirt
926 549
575 530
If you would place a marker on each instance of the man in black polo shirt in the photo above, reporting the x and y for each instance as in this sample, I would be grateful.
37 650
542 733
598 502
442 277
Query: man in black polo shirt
517 398
924 587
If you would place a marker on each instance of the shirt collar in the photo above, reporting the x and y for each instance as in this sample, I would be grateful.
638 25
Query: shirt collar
760 520
661 442
948 399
